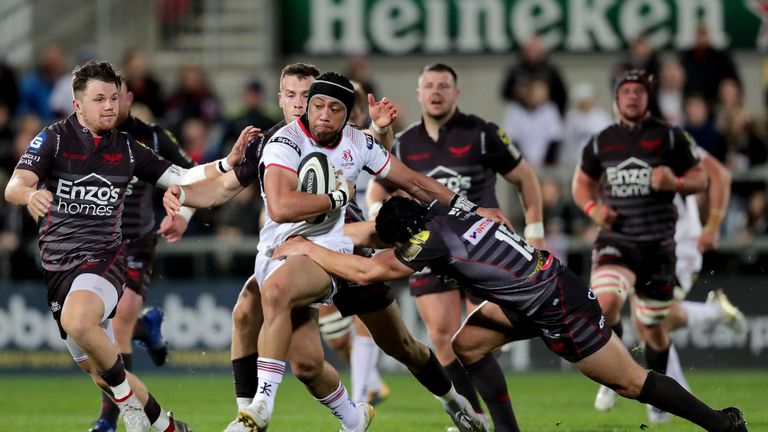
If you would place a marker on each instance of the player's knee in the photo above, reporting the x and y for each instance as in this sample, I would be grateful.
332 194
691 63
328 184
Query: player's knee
465 348
75 328
652 313
276 295
307 368
611 289
245 311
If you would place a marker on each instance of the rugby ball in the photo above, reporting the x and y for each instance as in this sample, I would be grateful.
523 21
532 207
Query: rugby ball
317 175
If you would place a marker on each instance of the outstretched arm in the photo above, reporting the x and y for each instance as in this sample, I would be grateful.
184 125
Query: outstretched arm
382 267
718 196
527 183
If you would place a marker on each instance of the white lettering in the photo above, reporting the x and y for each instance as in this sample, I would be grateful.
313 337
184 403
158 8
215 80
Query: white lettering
206 323
587 18
530 17
638 17
436 36
26 327
394 26
325 15
482 14
692 12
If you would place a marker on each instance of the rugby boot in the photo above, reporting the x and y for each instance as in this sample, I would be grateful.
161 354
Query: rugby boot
156 346
738 424
132 413
464 417
605 399
368 413
103 425
734 317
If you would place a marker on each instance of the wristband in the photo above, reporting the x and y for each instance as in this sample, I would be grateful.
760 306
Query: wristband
462 203
589 206
186 213
534 230
374 208
338 199
679 183
223 166
182 196
379 130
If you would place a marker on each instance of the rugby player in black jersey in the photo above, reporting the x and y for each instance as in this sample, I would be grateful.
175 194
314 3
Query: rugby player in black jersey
527 293
138 223
626 183
73 178
465 153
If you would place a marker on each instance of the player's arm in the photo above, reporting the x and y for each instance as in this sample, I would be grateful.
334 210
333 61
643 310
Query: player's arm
286 204
22 190
718 196
523 177
585 186
383 266
685 175
363 234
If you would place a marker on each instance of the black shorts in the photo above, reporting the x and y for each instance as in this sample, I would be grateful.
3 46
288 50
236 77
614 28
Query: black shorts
140 262
428 283
353 299
570 321
109 265
653 264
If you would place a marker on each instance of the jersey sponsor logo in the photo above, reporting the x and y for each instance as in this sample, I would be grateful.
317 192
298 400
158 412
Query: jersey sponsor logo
37 142
368 141
414 246
460 151
478 230
417 156
504 138
630 178
74 156
289 143
651 144
451 179
87 200
112 159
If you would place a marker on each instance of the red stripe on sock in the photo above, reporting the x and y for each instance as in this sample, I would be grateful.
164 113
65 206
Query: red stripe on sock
130 393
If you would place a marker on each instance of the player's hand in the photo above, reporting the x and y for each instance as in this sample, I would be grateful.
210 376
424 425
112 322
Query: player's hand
171 200
383 113
663 179
294 246
603 215
38 202
496 215
347 185
237 154
172 228
708 240
538 242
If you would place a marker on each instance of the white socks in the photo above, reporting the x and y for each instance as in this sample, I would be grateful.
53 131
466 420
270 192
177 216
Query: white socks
243 402
162 423
270 376
700 313
674 369
122 391
363 360
343 408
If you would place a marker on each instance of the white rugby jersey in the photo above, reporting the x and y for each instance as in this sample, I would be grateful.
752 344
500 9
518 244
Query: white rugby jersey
354 152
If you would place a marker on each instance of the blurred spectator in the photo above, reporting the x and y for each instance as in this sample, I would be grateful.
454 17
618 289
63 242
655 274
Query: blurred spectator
534 123
534 65
670 95
745 147
252 113
358 69
701 126
37 85
196 140
706 66
9 87
61 95
641 56
729 102
145 88
7 153
757 216
193 98
583 120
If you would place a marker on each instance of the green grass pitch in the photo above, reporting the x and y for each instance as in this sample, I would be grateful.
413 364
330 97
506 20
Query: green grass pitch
557 402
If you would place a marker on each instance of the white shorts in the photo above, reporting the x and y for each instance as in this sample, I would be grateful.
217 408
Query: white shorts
108 295
264 265
687 266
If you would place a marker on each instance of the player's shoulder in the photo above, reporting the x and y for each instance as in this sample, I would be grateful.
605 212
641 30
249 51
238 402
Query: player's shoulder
409 130
358 138
288 136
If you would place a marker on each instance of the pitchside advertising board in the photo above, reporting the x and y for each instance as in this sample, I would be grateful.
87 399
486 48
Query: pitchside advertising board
198 328
400 27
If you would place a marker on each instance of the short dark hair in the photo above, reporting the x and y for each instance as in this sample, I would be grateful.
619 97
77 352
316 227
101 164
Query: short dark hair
399 219
92 70
299 70
441 67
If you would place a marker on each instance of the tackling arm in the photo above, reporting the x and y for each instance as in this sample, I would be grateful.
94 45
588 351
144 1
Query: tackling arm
523 177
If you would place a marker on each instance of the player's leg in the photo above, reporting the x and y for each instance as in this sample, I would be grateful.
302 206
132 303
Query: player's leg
365 358
246 323
336 330
393 337
612 366
611 284
320 377
486 329
148 328
440 307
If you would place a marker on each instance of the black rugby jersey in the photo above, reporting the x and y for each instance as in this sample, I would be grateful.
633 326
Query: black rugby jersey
466 156
139 214
88 184
248 170
491 261
621 159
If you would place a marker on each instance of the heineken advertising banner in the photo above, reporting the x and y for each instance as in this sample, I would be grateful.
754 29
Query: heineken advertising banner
400 27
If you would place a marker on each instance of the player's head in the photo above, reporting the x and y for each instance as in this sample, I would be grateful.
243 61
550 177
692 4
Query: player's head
331 99
295 80
399 219
359 113
95 86
125 100
438 91
633 92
